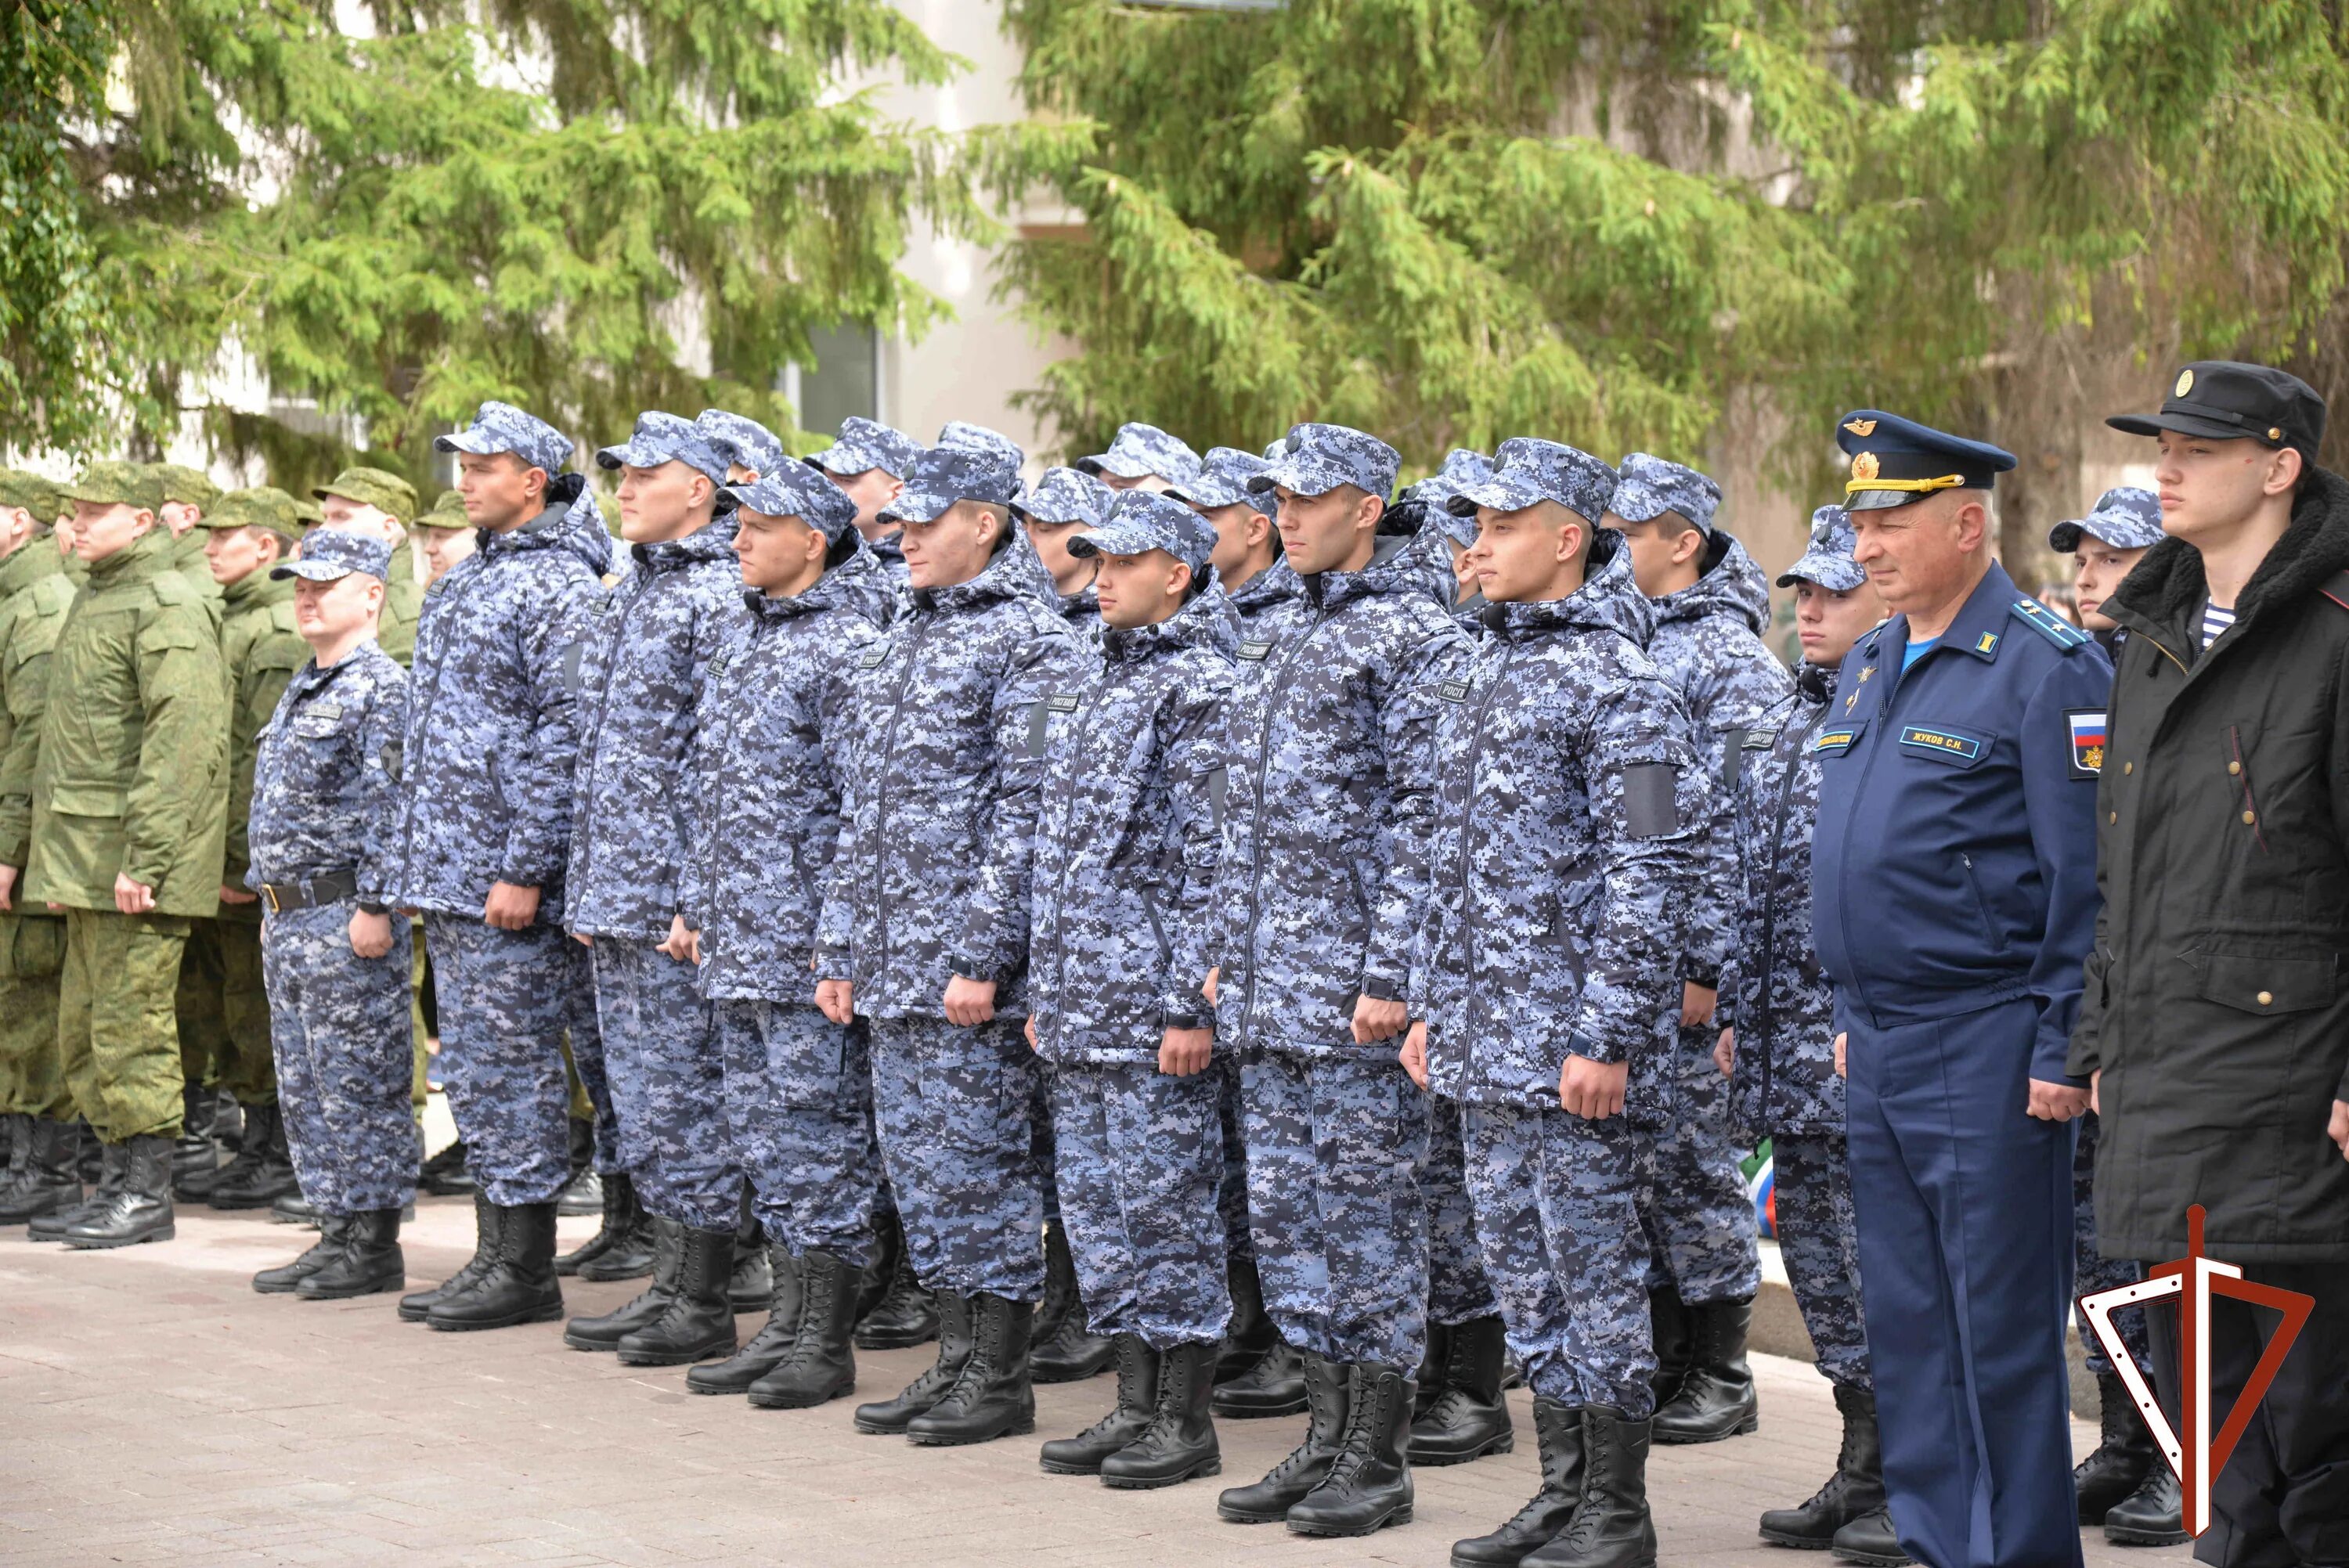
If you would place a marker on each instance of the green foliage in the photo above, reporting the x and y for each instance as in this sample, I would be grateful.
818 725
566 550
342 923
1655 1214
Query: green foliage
531 199
1451 221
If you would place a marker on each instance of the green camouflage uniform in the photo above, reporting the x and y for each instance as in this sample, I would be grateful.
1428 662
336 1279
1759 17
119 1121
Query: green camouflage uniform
181 483
132 780
403 596
34 595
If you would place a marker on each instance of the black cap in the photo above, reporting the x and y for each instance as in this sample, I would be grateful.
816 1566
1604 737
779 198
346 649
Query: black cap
2230 401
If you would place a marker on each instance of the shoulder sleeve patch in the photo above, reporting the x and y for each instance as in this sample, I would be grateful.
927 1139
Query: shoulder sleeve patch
2048 623
1651 800
2087 733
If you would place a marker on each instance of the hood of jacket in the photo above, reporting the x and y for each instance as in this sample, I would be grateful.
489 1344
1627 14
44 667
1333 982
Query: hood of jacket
857 583
1608 600
570 521
1016 572
2164 591
1205 621
1398 564
1730 584
712 541
1275 583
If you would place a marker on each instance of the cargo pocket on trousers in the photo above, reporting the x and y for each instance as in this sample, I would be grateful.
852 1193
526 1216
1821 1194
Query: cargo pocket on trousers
805 1068
977 1102
34 948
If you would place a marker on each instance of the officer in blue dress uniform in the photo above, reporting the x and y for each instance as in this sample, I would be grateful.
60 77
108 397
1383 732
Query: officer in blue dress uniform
1954 900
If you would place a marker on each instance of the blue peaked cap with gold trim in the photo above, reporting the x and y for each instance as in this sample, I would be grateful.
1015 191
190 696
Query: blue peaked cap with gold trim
1895 461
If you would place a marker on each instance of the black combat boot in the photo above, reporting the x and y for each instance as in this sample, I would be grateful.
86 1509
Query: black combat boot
2119 1464
1179 1444
1611 1527
227 1125
1251 1335
751 1284
15 1140
281 1280
1558 1430
1137 1402
293 1208
821 1363
1429 1381
193 1150
604 1332
93 1155
890 1418
140 1207
698 1321
2152 1515
1856 1489
519 1286
1369 1485
487 1217
263 1171
991 1396
1669 1331
1267 1502
584 1194
370 1262
1067 1349
623 1247
769 1345
1716 1396
898 1311
49 1181
1468 1418
1870 1540
446 1174
103 1183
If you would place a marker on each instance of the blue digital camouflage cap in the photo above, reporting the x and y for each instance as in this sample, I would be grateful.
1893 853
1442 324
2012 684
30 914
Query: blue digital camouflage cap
1275 449
2126 518
1064 495
1648 487
1461 467
1222 480
1141 451
864 444
1895 461
328 554
1827 559
947 474
977 438
1317 459
1528 469
1143 520
738 438
666 438
797 491
502 428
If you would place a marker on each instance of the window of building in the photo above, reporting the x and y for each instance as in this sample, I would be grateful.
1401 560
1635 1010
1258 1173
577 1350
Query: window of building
844 382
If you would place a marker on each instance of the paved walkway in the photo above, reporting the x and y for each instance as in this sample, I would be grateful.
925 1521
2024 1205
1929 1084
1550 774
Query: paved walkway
153 1409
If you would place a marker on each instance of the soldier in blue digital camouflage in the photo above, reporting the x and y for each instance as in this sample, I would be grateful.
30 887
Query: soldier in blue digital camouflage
324 793
1125 864
483 832
1711 605
750 450
1255 576
1574 799
778 717
640 674
925 926
1442 527
1778 1038
1331 812
870 461
1143 457
2105 547
1062 504
969 437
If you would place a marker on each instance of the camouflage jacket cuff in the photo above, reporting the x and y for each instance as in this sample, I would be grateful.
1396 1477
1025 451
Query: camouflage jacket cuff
1380 989
1593 1047
963 965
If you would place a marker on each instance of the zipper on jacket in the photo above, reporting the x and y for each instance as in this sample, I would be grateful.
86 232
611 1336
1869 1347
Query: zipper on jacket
603 706
760 629
432 695
1477 1069
1274 685
881 798
1768 958
1082 732
1981 903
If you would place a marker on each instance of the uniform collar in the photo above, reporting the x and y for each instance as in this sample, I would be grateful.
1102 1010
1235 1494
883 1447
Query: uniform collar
1980 628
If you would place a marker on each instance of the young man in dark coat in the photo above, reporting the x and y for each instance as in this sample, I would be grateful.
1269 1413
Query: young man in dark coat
2214 1027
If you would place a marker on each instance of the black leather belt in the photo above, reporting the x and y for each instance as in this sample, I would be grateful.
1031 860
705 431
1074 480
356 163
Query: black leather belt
332 887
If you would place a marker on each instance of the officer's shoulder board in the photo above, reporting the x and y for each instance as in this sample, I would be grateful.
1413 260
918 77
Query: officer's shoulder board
2047 624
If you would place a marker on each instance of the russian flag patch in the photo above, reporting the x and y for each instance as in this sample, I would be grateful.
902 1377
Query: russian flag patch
2087 727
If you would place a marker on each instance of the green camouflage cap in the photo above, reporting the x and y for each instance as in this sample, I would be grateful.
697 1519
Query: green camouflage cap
264 506
448 512
31 491
181 483
310 512
374 487
113 483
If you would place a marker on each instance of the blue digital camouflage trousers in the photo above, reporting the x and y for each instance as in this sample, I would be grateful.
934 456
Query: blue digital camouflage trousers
1047 1164
344 1050
1141 1164
1812 1181
1334 1149
1231 1197
1556 1199
668 1083
955 1112
587 1035
799 1108
1699 1218
504 1001
2092 1271
1458 1288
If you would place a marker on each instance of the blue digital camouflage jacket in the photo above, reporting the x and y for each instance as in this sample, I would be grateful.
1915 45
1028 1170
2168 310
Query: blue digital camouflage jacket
326 775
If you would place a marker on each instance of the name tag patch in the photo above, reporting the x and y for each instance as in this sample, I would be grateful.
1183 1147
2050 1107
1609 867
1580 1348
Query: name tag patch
1834 742
1255 650
1946 744
1452 691
873 658
2087 728
1062 702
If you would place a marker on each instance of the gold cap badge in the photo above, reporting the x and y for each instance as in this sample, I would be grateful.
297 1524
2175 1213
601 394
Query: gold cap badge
2275 433
1866 467
1863 428
2185 384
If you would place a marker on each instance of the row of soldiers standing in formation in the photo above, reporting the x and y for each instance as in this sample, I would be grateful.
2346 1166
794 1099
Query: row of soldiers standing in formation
1358 935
